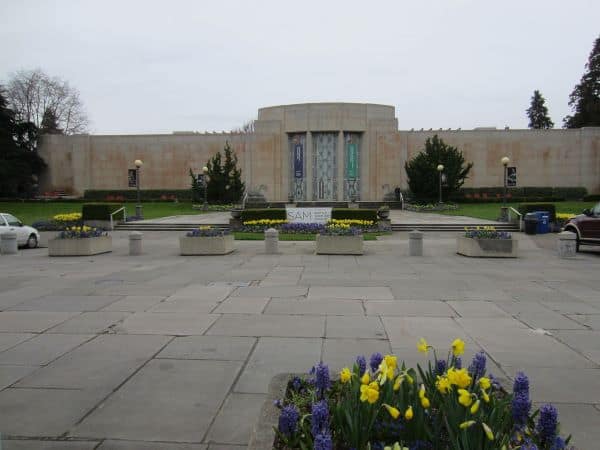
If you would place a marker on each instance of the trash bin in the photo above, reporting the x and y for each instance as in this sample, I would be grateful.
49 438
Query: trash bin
531 223
543 225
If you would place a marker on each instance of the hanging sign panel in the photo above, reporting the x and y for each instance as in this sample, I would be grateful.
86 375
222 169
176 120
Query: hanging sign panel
511 177
352 163
298 161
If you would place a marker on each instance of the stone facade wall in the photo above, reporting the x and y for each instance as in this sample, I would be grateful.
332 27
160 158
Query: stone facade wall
542 157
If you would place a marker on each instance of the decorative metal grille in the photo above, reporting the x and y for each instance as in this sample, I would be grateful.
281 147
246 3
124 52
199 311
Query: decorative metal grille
297 144
325 166
352 152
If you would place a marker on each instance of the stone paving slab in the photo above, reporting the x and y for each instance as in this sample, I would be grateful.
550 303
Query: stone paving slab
234 423
359 293
133 303
351 326
167 400
48 445
408 308
268 325
340 353
42 349
31 321
66 304
169 323
89 322
319 307
11 374
242 305
209 347
146 445
8 340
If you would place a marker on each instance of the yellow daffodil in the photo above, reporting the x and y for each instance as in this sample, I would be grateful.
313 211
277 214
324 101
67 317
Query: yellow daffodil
466 424
488 431
460 378
391 361
398 382
422 346
475 407
395 447
393 411
422 391
369 393
366 379
485 396
464 398
385 372
443 384
408 414
425 403
485 383
458 347
345 375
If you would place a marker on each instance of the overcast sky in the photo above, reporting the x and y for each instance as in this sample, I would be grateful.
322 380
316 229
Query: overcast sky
158 66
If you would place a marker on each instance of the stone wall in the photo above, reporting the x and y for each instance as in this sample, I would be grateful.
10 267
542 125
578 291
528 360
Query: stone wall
542 157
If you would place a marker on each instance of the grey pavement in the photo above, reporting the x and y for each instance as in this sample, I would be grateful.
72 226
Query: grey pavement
162 351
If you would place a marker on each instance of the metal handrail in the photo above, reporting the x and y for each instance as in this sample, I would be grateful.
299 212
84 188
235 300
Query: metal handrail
244 199
112 226
519 215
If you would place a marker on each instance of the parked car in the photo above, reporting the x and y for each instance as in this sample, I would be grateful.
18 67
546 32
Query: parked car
586 226
26 236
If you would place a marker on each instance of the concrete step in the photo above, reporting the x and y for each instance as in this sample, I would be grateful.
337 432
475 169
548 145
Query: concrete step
133 226
450 226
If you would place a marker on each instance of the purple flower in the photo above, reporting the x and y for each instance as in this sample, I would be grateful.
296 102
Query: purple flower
323 442
288 420
319 418
559 444
322 379
477 367
495 383
458 362
521 383
440 366
296 383
547 423
361 362
376 359
528 445
278 403
521 406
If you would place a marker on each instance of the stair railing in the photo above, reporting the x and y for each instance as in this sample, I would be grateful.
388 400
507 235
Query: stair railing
512 211
112 224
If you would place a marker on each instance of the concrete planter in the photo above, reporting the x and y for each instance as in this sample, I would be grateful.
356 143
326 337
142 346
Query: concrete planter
79 247
339 245
200 245
487 248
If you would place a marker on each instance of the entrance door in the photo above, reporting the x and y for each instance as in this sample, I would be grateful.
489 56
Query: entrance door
325 166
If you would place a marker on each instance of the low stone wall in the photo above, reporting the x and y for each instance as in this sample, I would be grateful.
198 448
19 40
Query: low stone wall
214 245
79 247
339 245
487 248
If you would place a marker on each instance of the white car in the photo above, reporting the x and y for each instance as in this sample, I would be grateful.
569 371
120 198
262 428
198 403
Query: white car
26 236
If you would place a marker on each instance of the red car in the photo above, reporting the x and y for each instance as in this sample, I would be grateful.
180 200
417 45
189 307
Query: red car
586 226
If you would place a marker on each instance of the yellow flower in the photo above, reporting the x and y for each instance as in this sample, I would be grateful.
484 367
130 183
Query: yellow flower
458 347
345 375
366 379
460 378
385 372
475 407
395 447
391 361
466 424
393 411
422 346
422 391
443 384
464 398
398 382
485 383
425 402
369 393
408 414
485 396
488 431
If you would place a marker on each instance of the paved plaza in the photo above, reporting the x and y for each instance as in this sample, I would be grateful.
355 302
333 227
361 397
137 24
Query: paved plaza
168 352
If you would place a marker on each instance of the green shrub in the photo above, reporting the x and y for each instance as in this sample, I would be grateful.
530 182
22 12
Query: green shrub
356 214
98 211
525 208
519 194
266 213
122 195
592 198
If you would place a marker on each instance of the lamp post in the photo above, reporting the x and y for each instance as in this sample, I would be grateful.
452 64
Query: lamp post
138 208
205 172
440 169
504 213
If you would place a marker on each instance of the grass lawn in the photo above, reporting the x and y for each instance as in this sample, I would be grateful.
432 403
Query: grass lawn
244 236
29 212
491 211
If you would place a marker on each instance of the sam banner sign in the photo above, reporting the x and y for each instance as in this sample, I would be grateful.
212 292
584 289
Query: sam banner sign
308 215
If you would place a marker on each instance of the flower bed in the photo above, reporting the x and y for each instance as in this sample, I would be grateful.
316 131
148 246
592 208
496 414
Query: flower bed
259 226
486 242
385 404
80 241
206 241
340 239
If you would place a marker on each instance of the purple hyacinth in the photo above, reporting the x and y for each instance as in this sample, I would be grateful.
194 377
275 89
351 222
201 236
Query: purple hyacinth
559 444
495 383
477 367
278 403
547 423
361 362
288 420
323 442
319 418
458 363
296 383
528 445
322 379
521 383
440 366
376 359
521 406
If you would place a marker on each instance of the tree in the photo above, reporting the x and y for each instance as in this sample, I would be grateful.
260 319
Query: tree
538 113
422 171
585 98
31 94
50 123
20 165
224 178
246 128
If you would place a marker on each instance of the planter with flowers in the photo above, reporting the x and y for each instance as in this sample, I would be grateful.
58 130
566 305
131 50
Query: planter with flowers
339 239
386 405
486 242
80 241
206 240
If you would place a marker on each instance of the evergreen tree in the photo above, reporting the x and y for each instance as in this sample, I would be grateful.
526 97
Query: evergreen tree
538 112
585 98
50 123
224 178
423 177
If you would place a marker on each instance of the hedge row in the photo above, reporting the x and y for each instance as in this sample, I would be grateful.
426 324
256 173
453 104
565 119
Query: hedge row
489 193
98 211
121 195
336 213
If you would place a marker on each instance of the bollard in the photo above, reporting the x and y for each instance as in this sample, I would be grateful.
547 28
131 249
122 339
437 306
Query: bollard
271 241
135 243
415 243
566 245
8 243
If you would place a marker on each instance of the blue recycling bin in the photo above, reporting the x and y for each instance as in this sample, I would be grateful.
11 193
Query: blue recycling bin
543 225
